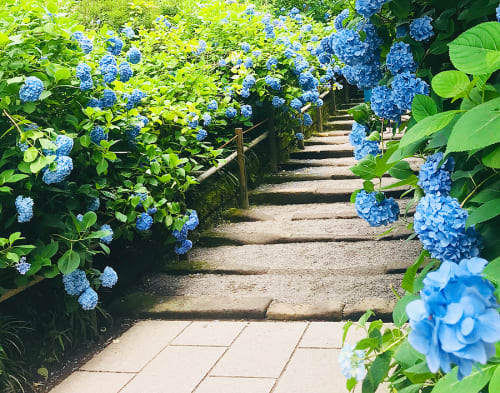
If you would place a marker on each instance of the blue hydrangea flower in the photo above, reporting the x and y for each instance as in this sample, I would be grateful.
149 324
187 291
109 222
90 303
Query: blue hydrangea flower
64 145
152 210
94 103
273 82
94 204
212 105
86 84
307 120
192 222
108 238
272 62
134 55
376 212
498 13
108 98
31 90
142 197
24 207
222 63
358 134
405 87
307 81
299 136
114 45
339 19
201 135
245 47
352 363
368 8
201 48
365 76
97 135
278 101
228 90
88 299
269 30
128 31
180 235
289 53
144 222
22 266
207 119
296 104
86 45
183 247
83 73
435 178
109 277
421 29
75 283
456 321
365 148
134 98
349 48
23 146
402 31
79 217
439 222
248 62
400 59
192 120
384 105
245 93
125 72
257 53
109 69
249 81
231 113
64 168
246 111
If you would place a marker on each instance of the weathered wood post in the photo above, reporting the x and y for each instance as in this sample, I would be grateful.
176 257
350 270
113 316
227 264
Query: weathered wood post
240 150
273 147
334 100
319 119
346 91
301 141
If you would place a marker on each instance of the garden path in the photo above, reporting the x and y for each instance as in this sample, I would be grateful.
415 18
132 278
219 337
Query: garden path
300 246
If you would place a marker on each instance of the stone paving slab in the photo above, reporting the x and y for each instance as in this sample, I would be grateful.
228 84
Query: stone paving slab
135 348
236 385
86 382
323 311
210 333
261 350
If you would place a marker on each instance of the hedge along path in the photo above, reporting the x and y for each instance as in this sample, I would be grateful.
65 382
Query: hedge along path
298 253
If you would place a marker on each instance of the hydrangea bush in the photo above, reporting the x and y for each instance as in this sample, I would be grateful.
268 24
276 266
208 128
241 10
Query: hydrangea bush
445 113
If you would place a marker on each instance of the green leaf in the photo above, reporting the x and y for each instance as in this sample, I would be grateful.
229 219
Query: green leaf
377 372
477 128
412 388
368 186
492 271
120 217
427 127
30 154
69 262
422 107
449 84
62 73
495 381
89 219
492 159
473 383
477 51
49 250
364 318
401 170
419 373
400 8
399 314
411 272
365 168
484 213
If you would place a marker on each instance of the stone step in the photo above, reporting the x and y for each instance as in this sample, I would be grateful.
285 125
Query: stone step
321 139
323 151
302 231
298 212
336 162
339 124
297 287
328 133
318 191
345 116
312 173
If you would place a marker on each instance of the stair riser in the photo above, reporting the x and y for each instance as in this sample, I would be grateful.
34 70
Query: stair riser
330 126
311 155
285 179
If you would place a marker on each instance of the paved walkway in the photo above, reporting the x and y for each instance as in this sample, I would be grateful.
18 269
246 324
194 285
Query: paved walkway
217 357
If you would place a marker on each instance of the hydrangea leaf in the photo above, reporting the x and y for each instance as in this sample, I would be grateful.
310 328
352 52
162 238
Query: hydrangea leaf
473 383
399 313
401 170
495 381
427 127
377 372
365 168
477 50
484 213
69 262
492 159
422 107
477 128
449 84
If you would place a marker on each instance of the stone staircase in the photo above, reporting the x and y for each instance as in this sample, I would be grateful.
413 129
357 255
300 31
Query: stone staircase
300 251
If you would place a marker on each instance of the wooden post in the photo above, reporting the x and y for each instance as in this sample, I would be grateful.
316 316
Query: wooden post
301 141
240 149
319 119
273 148
346 91
334 101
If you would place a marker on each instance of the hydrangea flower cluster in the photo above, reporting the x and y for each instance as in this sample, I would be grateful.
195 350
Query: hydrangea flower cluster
75 283
231 113
358 134
22 266
97 135
63 169
129 32
114 45
278 101
348 47
439 222
207 119
212 105
88 299
134 98
192 120
245 47
109 68
296 104
339 19
383 104
84 42
246 111
201 48
434 177
24 207
308 121
368 8
365 148
376 212
31 90
273 82
83 73
184 244
421 29
400 59
201 135
299 136
272 62
498 13
108 238
405 87
134 55
144 222
456 321
125 72
352 363
109 277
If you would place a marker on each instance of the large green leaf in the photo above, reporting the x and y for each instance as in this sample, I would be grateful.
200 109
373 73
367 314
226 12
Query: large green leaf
377 372
449 84
422 107
477 128
399 314
473 383
495 381
426 127
477 51
69 262
484 212
492 159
